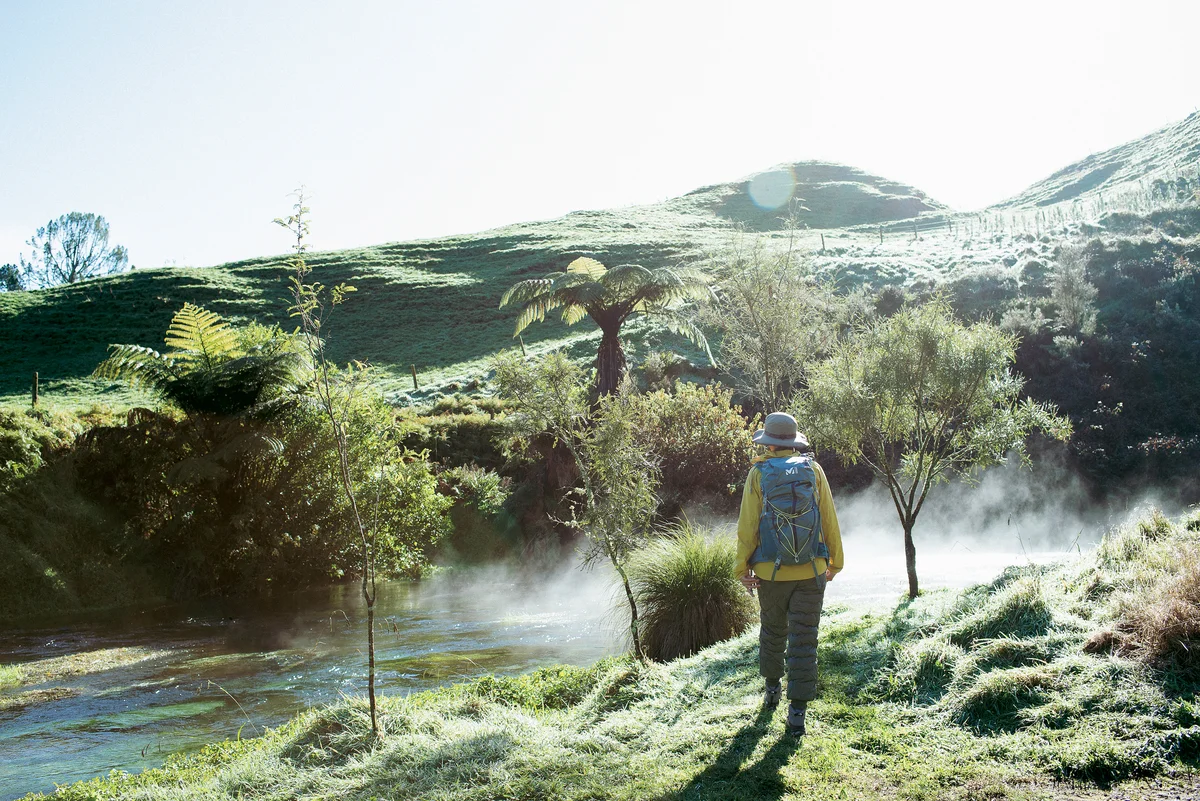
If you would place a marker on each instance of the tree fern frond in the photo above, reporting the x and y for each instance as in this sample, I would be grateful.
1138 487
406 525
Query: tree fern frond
527 290
573 313
535 311
678 324
199 335
138 365
587 266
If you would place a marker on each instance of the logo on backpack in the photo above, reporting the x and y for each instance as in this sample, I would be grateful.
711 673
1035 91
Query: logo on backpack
789 530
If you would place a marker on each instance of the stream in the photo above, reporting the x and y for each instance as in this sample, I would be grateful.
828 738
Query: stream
216 672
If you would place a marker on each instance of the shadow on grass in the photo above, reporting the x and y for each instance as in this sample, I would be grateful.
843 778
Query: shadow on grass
727 777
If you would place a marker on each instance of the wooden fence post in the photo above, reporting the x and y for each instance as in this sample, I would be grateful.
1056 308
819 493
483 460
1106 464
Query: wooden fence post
822 243
521 339
413 367
35 389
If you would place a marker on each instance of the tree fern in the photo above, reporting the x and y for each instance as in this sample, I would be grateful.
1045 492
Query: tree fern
610 296
210 367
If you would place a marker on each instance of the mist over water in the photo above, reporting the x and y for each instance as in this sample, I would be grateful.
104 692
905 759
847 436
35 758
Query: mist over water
967 533
279 656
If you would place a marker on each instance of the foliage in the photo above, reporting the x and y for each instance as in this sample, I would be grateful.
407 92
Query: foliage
483 489
699 439
1073 297
70 249
920 397
236 506
775 320
610 297
210 367
619 479
28 438
454 438
687 593
10 278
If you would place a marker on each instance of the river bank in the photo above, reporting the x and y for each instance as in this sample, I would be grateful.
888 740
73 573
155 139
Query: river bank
1007 690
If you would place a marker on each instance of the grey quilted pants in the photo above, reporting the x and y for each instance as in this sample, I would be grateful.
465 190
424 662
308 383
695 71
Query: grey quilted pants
790 612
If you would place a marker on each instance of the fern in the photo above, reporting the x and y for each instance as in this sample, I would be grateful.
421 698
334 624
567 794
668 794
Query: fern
198 335
609 297
210 366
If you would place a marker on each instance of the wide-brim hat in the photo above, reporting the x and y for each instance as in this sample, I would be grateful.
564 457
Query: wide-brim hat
780 429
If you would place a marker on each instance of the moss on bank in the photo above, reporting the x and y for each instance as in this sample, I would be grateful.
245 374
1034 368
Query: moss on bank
999 691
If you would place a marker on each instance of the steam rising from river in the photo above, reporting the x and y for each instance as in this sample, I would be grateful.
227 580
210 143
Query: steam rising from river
966 534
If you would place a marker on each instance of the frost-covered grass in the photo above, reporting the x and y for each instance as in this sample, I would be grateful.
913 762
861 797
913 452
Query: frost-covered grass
994 692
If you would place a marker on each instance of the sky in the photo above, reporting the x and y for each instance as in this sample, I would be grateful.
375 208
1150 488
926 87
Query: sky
187 125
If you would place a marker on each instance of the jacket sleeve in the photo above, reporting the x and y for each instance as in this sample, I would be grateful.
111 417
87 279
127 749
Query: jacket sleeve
747 529
830 529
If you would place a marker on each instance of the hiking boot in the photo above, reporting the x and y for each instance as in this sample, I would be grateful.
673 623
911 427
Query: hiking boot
771 696
795 719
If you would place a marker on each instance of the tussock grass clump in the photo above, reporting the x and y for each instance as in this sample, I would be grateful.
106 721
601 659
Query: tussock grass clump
10 676
994 701
687 595
921 672
1017 610
1161 623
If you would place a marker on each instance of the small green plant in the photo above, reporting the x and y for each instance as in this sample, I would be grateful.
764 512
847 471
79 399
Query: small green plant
10 676
687 593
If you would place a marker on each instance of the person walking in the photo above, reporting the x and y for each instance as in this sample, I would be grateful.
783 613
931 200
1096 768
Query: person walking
789 547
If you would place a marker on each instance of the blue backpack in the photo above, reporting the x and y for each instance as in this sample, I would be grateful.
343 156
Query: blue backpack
789 530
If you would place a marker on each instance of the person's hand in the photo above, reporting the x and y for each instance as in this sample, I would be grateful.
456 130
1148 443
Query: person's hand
829 574
750 582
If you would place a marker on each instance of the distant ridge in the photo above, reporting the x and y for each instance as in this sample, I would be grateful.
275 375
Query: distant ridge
836 196
1165 156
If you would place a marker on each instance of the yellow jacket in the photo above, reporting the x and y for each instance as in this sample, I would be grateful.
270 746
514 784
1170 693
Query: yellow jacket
747 530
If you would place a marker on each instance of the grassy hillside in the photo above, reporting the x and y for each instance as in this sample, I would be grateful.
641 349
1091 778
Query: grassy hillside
432 304
1046 683
1163 165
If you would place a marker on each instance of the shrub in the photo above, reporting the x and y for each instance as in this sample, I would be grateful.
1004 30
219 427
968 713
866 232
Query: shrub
483 489
700 440
687 594
455 438
28 438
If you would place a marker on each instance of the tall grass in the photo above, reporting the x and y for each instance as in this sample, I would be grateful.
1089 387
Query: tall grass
687 593
10 676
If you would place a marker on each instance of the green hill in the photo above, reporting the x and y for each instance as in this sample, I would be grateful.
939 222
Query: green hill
432 304
1164 165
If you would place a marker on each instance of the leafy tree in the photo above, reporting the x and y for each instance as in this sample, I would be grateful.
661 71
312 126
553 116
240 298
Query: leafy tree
919 397
10 278
775 321
618 478
1071 293
71 249
210 367
610 297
